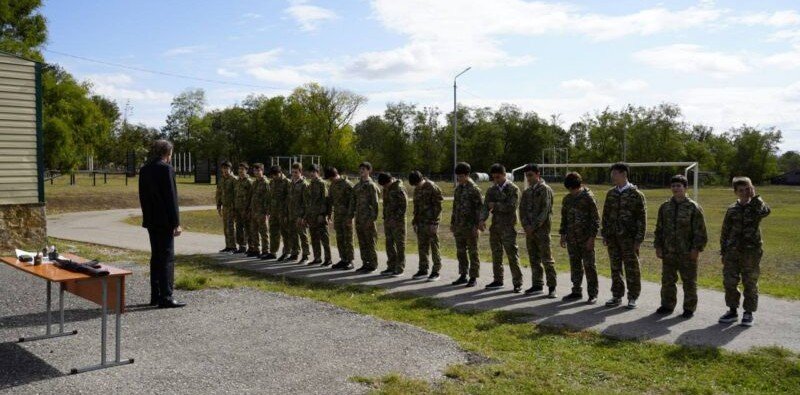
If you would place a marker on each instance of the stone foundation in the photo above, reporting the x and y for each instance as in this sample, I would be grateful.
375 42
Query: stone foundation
22 226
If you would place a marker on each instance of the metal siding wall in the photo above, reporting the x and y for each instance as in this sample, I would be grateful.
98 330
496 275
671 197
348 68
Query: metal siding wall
20 120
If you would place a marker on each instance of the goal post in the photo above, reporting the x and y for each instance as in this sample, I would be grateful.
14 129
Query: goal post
688 166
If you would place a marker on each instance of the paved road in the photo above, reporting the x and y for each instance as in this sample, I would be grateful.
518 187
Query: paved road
777 321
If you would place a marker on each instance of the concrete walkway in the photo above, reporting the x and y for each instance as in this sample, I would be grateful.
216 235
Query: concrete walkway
777 321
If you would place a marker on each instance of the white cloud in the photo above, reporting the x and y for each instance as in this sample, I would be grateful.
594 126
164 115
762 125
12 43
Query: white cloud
186 50
785 35
785 60
226 73
258 59
118 86
691 58
579 84
775 19
284 75
308 16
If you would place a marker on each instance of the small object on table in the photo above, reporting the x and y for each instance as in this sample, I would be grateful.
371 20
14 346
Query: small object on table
25 258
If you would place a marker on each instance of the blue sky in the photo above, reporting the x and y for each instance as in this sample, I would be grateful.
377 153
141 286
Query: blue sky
724 62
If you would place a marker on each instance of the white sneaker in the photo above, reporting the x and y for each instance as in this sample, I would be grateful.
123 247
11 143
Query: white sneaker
631 304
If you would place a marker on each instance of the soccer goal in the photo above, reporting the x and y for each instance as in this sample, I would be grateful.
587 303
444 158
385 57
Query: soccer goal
694 167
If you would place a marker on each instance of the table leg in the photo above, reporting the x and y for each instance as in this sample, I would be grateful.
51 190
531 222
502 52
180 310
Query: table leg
48 333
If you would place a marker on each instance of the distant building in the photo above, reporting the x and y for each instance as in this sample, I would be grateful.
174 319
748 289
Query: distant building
22 208
789 178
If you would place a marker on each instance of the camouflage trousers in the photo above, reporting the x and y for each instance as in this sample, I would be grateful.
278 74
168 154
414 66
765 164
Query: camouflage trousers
504 238
367 237
298 238
278 232
320 239
582 261
344 238
229 227
744 265
260 232
395 246
428 242
623 255
467 252
671 266
243 234
540 254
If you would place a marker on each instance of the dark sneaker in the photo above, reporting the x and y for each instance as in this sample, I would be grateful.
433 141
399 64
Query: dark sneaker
291 258
494 284
517 289
687 314
591 300
327 263
347 266
747 319
397 273
241 250
535 290
340 263
224 250
729 317
614 302
303 259
387 272
663 310
269 256
433 277
572 296
315 262
462 279
420 274
631 304
252 254
472 282
551 294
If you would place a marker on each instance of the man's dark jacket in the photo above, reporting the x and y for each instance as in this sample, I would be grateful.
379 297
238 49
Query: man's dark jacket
158 196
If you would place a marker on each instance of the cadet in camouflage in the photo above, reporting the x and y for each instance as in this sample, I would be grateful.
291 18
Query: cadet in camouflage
297 215
427 213
317 213
341 198
580 222
244 190
535 214
259 210
365 202
225 196
279 214
395 202
624 221
741 249
501 202
680 236
467 207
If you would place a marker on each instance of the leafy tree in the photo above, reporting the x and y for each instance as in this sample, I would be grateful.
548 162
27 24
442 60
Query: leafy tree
22 28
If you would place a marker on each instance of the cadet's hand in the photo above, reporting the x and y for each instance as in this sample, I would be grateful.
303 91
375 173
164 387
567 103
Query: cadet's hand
659 254
491 206
563 242
694 254
177 231
636 246
482 226
590 244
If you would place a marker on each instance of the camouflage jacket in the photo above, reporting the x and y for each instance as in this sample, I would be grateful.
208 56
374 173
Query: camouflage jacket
260 199
244 189
467 206
624 214
536 207
741 227
427 204
506 200
341 199
226 191
297 199
680 227
580 219
395 202
316 199
279 201
365 201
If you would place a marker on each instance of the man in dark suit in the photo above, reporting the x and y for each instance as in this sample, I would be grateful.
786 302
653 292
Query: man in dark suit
158 197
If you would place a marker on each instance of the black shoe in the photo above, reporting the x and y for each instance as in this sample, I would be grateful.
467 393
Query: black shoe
241 250
433 277
291 258
252 254
687 314
340 263
268 256
663 310
495 284
224 250
462 279
729 317
551 294
283 257
591 300
397 273
327 263
747 319
154 302
315 262
534 290
472 282
517 289
387 272
365 269
170 304
572 296
347 266
420 274
303 260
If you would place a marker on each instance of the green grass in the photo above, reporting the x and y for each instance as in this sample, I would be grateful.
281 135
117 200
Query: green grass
780 267
512 356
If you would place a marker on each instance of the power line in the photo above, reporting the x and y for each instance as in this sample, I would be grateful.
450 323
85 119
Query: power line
164 73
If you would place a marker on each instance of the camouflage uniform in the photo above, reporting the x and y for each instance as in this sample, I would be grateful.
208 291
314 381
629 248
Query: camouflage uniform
536 213
244 190
580 222
298 238
467 205
279 214
317 212
259 206
680 228
395 201
365 203
226 194
341 197
624 221
740 245
427 213
503 232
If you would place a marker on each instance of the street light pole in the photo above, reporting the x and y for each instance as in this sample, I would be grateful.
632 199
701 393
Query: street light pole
455 123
